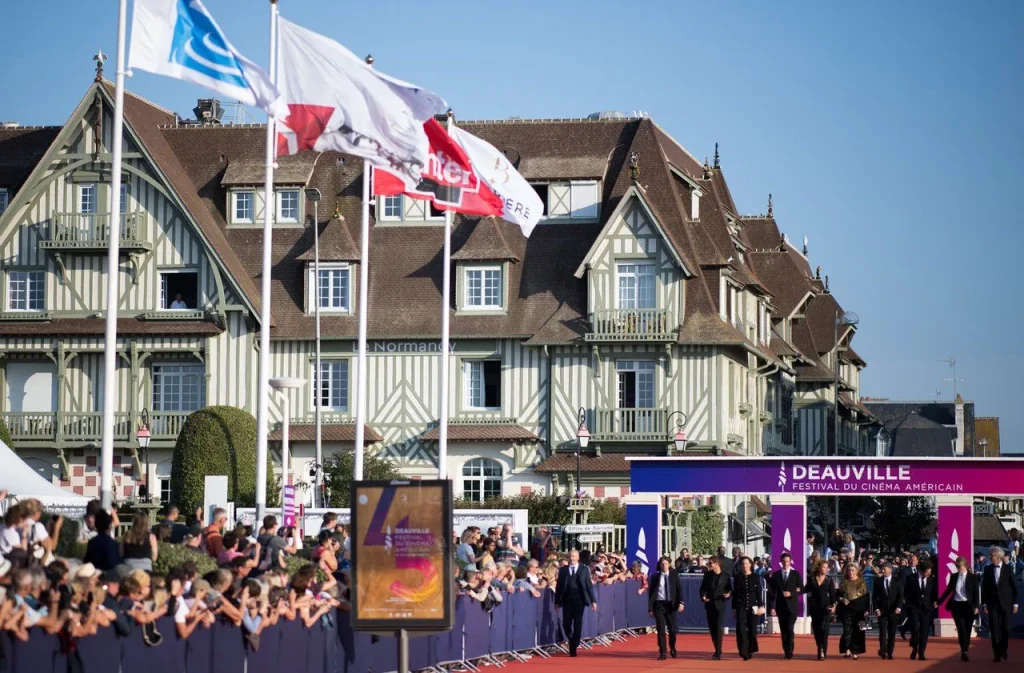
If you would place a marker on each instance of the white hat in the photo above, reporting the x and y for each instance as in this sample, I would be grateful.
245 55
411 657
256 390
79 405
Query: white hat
86 571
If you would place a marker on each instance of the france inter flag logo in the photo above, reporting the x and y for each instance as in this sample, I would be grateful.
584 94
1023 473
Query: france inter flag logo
198 45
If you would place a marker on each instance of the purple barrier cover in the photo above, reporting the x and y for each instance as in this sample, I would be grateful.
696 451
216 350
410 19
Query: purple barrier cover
228 648
549 621
199 651
265 660
478 630
497 638
524 621
448 646
606 608
102 652
317 647
590 617
636 607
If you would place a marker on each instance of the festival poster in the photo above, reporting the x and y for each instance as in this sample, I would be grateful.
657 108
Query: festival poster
401 556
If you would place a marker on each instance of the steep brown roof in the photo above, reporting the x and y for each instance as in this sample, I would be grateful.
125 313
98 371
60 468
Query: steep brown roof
291 170
782 278
336 243
482 432
565 461
96 326
486 242
329 432
20 150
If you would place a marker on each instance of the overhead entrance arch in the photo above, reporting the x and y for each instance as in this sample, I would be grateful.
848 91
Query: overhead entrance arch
953 482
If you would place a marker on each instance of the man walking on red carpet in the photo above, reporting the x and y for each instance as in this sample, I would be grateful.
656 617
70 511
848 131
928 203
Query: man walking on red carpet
573 593
664 601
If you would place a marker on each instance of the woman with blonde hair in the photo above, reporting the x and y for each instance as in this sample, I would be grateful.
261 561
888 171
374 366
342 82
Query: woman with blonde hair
854 604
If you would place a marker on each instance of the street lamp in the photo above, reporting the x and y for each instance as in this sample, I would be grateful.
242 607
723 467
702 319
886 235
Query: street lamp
679 439
282 385
582 440
143 436
846 319
313 194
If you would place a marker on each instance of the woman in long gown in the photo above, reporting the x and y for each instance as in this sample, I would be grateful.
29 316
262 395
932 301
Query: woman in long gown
821 604
749 606
854 604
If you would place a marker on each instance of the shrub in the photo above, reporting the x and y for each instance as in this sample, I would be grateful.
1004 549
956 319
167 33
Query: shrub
547 510
217 441
171 555
706 527
5 434
338 470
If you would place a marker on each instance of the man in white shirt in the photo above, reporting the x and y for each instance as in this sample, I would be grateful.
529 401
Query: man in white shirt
999 595
961 592
178 303
664 601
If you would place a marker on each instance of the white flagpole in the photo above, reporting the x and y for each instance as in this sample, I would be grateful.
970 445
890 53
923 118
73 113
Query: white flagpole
364 283
317 392
446 290
269 202
113 274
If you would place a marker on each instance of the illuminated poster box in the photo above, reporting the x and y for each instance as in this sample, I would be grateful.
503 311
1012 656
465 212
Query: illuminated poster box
402 556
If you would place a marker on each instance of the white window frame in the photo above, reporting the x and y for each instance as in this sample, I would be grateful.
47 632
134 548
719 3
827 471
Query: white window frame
481 472
574 193
5 200
162 299
389 203
468 367
167 375
632 269
340 385
279 196
638 367
313 287
234 206
90 189
483 270
124 198
34 286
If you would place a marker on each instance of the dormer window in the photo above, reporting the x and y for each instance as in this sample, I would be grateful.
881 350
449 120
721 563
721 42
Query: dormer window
695 204
288 206
483 288
243 207
636 286
407 209
332 290
576 200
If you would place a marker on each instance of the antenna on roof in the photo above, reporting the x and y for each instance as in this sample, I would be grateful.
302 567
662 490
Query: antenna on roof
805 247
769 204
951 361
717 162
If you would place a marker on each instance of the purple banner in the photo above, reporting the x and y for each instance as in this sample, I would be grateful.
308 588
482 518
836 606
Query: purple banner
288 518
829 476
956 538
789 534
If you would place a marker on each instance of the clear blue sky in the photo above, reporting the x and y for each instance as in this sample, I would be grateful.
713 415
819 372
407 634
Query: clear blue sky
889 132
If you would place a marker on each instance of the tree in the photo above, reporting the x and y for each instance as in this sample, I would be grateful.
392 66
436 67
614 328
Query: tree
217 441
339 469
899 522
5 434
706 526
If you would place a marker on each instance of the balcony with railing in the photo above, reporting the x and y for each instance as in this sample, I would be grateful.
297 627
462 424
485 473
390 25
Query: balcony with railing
90 232
49 427
631 425
632 324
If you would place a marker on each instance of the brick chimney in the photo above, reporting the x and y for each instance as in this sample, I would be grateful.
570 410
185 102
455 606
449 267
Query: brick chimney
959 445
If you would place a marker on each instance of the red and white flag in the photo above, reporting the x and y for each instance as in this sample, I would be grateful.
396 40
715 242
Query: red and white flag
337 102
468 175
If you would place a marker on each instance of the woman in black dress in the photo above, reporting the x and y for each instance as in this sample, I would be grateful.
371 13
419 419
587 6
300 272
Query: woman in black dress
853 611
821 604
749 606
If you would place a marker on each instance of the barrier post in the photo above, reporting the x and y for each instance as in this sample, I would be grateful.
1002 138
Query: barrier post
643 530
403 650
789 534
955 532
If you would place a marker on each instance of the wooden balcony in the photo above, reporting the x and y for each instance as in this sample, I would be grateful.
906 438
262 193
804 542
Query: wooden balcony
639 324
49 427
631 425
90 233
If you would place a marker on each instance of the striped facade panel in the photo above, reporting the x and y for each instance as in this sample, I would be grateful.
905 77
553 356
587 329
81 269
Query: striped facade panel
633 238
811 430
233 365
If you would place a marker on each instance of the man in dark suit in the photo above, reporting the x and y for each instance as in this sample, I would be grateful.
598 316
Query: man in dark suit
715 588
725 562
921 595
909 570
962 599
887 596
999 595
664 600
573 593
784 589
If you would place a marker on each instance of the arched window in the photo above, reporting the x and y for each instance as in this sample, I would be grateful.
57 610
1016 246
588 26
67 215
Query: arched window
481 479
163 481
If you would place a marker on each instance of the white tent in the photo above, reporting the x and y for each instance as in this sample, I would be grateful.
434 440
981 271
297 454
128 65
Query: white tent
21 482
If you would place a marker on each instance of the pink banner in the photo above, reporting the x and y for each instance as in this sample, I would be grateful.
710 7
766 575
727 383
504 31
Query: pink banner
289 506
956 538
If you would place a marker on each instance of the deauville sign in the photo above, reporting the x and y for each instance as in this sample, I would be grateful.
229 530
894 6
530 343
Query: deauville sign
850 476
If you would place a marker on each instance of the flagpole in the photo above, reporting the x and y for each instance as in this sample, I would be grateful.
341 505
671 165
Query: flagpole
364 283
263 387
113 274
446 290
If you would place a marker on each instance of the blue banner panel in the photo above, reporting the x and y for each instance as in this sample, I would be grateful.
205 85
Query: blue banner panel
498 635
199 651
478 630
590 617
643 535
636 607
524 621
101 652
316 648
266 659
606 608
228 647
549 621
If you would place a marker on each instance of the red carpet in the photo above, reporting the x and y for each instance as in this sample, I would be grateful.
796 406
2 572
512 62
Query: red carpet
639 655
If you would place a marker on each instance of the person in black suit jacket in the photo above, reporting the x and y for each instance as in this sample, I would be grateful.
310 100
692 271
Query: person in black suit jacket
905 572
887 595
921 595
715 589
962 594
999 594
574 591
784 589
664 600
749 605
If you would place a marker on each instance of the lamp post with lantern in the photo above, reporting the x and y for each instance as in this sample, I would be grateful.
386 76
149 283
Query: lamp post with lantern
143 437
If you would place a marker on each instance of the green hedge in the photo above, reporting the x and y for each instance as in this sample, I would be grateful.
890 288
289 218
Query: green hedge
172 555
5 434
217 441
546 508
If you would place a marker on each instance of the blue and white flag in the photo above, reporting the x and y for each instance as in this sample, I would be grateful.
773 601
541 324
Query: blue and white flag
180 39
